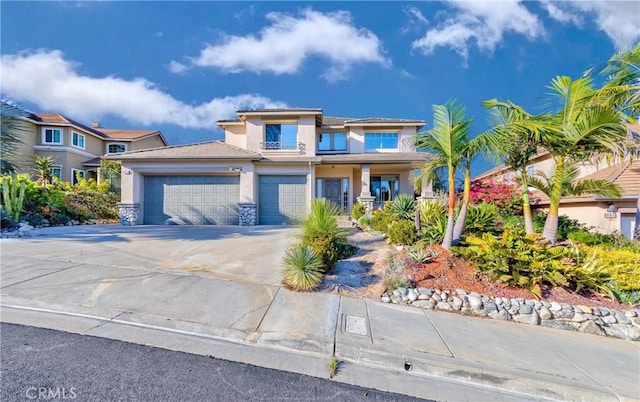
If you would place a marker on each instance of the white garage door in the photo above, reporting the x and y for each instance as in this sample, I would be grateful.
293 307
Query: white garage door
627 225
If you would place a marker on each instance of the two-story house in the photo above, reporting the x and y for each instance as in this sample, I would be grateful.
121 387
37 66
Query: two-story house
269 167
605 215
76 148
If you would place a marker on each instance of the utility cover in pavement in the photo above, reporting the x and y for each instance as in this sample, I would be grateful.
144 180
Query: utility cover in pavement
355 325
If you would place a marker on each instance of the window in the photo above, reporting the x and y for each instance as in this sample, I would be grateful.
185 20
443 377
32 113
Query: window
531 170
332 142
51 136
375 141
75 174
281 136
385 188
77 140
56 171
116 148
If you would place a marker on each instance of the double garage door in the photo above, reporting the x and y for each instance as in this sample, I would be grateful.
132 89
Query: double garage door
213 200
191 200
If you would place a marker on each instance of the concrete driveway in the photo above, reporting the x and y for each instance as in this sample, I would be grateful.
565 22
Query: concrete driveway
244 254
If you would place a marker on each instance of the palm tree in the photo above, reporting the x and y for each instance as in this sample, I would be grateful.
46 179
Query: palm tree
514 145
446 141
12 127
470 151
571 186
580 129
42 166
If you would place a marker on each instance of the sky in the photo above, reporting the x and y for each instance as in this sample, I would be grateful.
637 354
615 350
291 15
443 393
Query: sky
179 66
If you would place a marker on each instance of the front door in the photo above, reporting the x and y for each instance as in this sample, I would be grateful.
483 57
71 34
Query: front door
334 190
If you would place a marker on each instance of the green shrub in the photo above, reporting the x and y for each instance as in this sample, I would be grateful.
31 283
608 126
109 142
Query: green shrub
481 218
433 232
627 296
33 218
380 220
402 232
79 212
302 268
518 260
101 204
321 232
365 221
358 210
566 225
622 265
6 221
395 282
403 207
585 237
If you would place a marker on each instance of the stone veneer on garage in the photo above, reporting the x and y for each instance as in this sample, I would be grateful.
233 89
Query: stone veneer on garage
247 214
591 320
129 214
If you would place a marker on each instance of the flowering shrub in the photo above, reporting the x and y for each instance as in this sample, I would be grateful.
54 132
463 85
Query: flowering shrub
502 193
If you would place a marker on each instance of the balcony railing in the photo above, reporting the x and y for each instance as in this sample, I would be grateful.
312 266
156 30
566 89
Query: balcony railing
281 146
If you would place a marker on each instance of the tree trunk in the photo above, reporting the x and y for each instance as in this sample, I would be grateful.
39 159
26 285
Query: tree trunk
636 232
462 216
550 231
448 236
526 208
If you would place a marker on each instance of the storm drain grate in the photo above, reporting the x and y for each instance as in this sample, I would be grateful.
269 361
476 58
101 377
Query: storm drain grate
355 325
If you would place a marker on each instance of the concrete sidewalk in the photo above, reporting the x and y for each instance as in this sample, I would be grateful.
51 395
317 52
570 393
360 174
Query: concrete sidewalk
429 354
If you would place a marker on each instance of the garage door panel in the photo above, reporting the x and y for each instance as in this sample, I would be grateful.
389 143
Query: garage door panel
281 199
191 200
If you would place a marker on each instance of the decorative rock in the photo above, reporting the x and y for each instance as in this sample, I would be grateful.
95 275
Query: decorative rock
444 306
423 297
546 304
623 331
412 295
555 306
490 306
583 309
526 309
474 301
545 313
501 314
590 327
425 291
436 297
537 305
603 311
461 292
579 317
402 291
438 291
530 303
386 299
474 294
422 304
457 302
532 319
563 313
506 302
630 314
559 324
609 319
622 318
396 299
485 298
397 292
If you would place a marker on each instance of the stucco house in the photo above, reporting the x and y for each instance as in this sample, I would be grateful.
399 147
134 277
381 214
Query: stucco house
75 147
605 215
268 168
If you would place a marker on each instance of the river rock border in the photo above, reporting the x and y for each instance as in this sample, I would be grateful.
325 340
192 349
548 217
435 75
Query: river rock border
590 320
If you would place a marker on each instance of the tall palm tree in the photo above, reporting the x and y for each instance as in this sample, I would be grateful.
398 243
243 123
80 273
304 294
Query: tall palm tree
12 127
514 145
580 129
446 140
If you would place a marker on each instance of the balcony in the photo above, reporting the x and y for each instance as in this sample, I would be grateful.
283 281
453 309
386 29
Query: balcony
282 146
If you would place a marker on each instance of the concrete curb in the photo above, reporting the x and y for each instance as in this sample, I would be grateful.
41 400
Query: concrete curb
430 375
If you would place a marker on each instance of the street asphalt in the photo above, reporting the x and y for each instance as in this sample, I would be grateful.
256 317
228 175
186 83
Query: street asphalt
215 291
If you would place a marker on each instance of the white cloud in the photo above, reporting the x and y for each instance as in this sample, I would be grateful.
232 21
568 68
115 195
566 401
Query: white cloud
284 45
177 67
46 79
620 20
484 22
416 16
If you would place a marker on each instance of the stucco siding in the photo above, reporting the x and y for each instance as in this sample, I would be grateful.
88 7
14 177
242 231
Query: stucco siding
146 143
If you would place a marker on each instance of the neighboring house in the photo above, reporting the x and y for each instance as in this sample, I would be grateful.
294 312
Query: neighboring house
605 215
76 148
269 167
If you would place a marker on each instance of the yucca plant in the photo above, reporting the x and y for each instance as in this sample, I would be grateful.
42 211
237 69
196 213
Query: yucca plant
418 254
403 207
430 210
321 232
42 166
302 268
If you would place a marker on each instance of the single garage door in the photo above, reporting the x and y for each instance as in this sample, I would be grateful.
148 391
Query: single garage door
191 200
628 225
281 199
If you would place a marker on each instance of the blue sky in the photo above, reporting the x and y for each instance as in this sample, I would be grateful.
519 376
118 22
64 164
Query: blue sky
180 66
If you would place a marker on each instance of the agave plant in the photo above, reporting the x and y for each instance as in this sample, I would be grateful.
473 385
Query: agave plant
302 268
403 207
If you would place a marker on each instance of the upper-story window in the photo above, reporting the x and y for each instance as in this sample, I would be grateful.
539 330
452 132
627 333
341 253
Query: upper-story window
77 140
116 148
281 136
332 142
52 136
377 141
